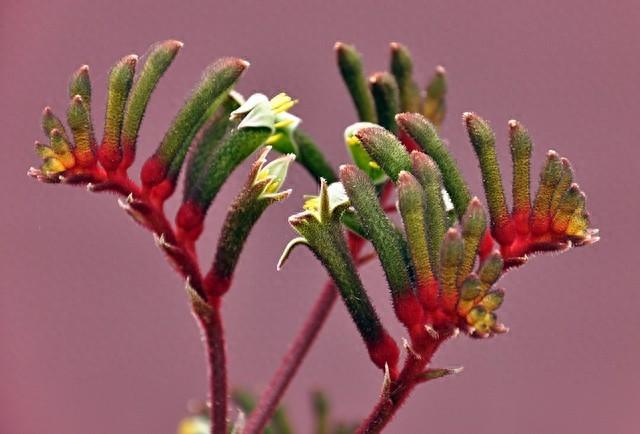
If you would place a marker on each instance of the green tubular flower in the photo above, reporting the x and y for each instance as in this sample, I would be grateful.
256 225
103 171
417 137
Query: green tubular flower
320 229
255 122
263 188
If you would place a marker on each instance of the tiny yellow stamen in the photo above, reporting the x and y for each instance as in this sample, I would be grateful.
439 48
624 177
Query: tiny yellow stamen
274 138
281 103
352 141
51 166
284 123
373 165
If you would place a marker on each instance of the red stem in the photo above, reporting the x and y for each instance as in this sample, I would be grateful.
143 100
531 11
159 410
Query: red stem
292 360
399 390
215 347
182 255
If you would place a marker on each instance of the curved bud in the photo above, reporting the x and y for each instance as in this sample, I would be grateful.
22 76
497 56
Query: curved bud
422 132
483 141
450 261
350 65
385 149
434 107
401 66
474 224
120 80
386 95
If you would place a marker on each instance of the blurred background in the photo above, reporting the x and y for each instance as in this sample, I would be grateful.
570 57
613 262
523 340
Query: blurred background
95 331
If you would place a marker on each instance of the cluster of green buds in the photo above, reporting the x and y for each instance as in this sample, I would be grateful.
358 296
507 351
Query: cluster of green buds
211 135
443 263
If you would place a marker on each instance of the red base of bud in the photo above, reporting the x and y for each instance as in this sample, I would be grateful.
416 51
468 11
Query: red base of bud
408 142
521 220
153 172
540 225
409 310
385 352
128 154
504 232
429 295
215 285
486 245
109 157
189 220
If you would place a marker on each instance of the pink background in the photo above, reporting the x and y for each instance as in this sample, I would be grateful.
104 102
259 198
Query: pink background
95 332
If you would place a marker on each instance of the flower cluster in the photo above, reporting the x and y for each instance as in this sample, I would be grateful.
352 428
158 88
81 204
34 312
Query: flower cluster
442 265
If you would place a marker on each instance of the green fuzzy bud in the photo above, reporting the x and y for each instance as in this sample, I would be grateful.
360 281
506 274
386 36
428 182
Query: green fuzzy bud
51 122
450 261
379 229
207 139
350 65
411 203
385 150
212 90
321 231
427 173
471 288
158 59
120 81
260 191
434 107
476 315
566 179
474 224
572 200
234 148
80 84
387 99
492 300
549 179
521 146
420 130
483 141
491 269
401 66
79 120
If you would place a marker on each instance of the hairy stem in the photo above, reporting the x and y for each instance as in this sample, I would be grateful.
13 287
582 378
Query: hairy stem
214 341
399 390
